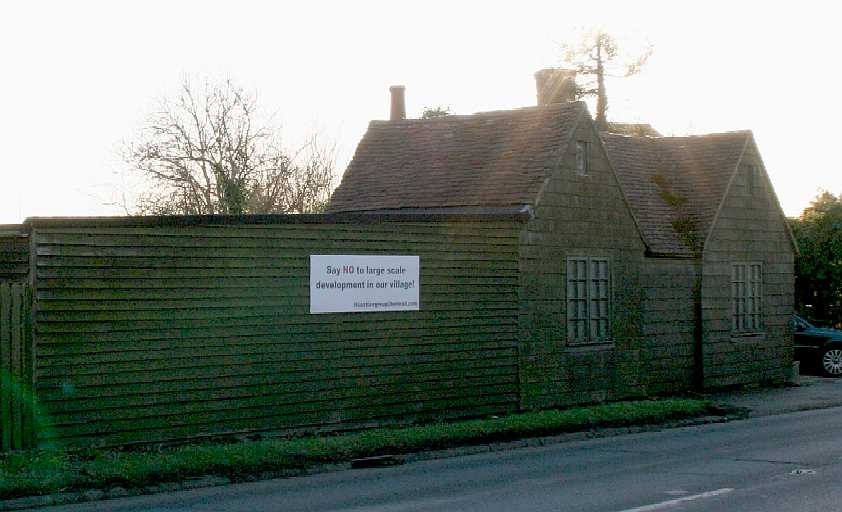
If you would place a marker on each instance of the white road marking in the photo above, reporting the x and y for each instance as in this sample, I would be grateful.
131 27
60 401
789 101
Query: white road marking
672 503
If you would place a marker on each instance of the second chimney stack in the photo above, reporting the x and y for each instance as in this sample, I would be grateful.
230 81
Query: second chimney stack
555 85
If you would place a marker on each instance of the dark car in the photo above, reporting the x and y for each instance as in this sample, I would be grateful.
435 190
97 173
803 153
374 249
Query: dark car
819 347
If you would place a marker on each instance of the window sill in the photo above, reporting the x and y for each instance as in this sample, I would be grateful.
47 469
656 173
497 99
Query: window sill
747 336
589 346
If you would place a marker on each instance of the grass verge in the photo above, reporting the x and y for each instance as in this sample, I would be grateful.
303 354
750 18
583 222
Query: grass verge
46 472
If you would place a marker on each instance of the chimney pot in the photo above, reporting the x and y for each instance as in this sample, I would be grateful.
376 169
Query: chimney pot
398 110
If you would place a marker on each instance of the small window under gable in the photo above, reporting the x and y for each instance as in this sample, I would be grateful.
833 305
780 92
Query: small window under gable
752 173
583 157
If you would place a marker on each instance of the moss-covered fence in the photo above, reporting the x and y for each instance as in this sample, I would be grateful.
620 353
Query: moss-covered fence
159 329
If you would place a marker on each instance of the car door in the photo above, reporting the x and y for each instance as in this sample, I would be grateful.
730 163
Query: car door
807 339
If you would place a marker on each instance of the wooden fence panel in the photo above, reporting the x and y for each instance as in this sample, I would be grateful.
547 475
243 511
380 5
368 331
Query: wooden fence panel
154 333
16 368
14 254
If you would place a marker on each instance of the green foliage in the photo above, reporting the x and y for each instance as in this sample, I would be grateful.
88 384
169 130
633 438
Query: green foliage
666 192
818 269
434 112
44 472
685 225
687 228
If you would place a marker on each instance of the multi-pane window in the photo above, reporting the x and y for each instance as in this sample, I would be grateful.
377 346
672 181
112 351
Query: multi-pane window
588 299
747 297
583 157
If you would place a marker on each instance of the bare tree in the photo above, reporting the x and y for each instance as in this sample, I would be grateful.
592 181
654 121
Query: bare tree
306 189
205 154
597 55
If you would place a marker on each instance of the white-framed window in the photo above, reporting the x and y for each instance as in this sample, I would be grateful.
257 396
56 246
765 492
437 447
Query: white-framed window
583 157
747 297
588 299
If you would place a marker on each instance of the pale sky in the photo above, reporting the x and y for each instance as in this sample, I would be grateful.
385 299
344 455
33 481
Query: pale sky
77 78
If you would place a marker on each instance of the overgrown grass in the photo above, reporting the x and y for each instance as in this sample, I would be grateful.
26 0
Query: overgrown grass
46 472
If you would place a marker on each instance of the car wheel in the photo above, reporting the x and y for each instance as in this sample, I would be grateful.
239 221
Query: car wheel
831 361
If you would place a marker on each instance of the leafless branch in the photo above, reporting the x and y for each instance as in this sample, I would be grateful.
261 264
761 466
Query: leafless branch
204 154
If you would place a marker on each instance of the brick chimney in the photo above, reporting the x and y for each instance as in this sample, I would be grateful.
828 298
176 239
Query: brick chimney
398 110
555 85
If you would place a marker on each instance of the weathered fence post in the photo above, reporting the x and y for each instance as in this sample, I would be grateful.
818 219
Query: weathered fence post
16 369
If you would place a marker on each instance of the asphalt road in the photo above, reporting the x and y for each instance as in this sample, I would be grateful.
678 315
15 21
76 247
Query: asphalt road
790 462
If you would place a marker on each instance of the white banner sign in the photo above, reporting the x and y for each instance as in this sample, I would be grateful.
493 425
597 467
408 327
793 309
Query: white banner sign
353 283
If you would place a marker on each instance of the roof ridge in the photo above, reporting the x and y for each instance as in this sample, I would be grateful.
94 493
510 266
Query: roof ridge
746 132
705 135
572 105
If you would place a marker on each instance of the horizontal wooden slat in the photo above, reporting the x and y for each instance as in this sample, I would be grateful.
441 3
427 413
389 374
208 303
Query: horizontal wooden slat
380 326
373 404
484 229
280 283
303 239
430 270
354 327
297 360
90 353
289 396
64 397
315 419
454 263
438 249
306 370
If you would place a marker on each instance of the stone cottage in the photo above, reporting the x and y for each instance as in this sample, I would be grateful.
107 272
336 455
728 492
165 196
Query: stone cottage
648 264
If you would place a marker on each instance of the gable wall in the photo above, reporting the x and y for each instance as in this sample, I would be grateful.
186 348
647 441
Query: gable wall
669 322
579 216
749 228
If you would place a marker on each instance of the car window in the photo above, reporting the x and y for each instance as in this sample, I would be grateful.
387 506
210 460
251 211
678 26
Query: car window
800 324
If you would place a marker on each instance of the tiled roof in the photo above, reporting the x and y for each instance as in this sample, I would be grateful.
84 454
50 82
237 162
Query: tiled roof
674 185
500 160
491 159
635 129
